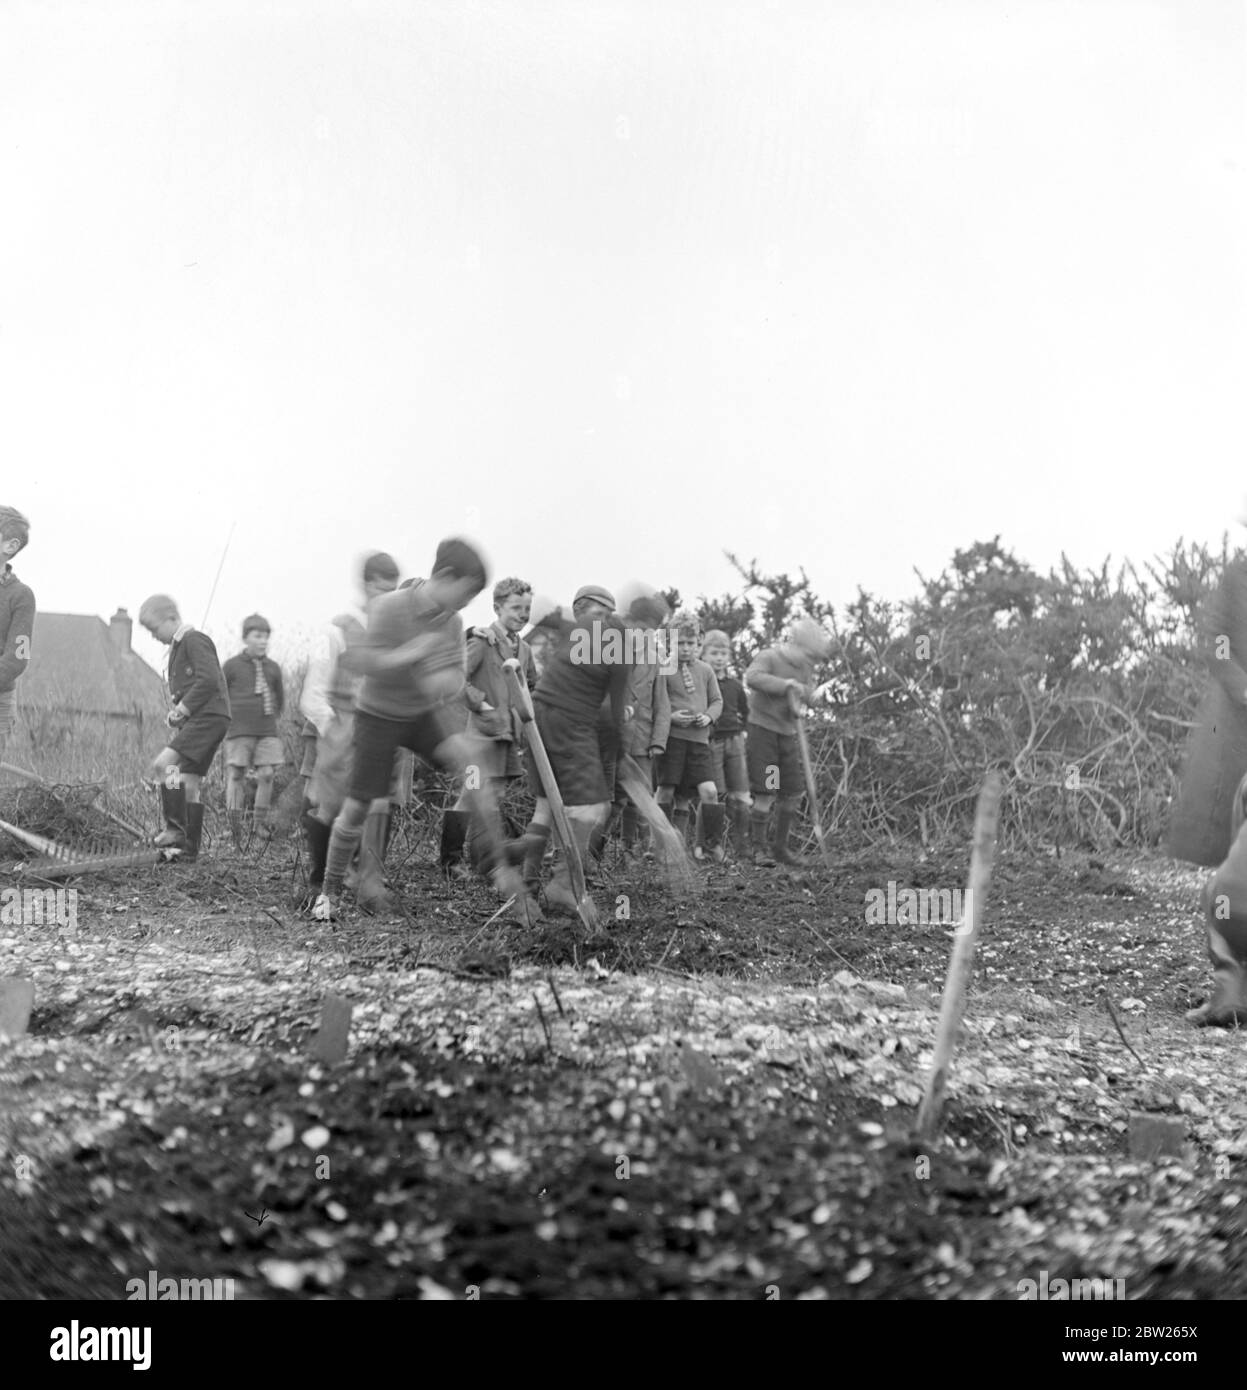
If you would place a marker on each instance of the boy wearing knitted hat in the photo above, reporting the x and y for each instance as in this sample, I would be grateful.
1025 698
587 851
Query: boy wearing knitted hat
773 755
256 699
200 716
696 702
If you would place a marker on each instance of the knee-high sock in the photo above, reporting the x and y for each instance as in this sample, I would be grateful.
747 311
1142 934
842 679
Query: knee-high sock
343 842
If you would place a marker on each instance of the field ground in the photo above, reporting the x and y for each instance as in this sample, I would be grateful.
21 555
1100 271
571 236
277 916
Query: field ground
712 1099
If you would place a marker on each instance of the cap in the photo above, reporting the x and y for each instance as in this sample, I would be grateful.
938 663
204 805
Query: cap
598 593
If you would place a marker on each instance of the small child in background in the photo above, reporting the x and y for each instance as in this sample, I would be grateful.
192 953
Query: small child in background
727 740
773 756
200 715
696 703
256 699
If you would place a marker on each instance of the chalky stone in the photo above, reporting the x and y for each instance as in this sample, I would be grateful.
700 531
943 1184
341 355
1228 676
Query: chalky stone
17 998
335 1027
1153 1136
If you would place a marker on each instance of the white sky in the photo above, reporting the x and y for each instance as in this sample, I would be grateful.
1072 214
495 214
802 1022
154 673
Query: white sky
612 287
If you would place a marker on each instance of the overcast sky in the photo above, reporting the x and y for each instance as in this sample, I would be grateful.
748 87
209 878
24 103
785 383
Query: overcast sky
611 288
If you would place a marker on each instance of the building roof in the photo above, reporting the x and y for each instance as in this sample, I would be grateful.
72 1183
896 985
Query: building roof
78 663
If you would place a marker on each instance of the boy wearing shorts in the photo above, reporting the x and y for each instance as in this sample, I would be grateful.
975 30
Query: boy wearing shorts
412 662
492 718
696 703
773 756
577 680
727 740
200 717
256 698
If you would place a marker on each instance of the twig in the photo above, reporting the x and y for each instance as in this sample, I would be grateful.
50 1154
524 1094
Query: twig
544 1027
668 947
554 991
1112 1013
505 906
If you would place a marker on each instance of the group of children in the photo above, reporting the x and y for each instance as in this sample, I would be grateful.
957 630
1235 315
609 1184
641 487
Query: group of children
397 675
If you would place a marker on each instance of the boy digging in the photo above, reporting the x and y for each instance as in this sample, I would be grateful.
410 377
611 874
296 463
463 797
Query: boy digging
200 716
256 700
773 756
412 661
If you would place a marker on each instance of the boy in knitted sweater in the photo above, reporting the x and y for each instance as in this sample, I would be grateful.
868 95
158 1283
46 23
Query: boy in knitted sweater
17 617
687 764
412 663
256 699
778 676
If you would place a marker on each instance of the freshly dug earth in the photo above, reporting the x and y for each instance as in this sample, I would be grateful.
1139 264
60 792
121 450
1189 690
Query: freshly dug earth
712 1097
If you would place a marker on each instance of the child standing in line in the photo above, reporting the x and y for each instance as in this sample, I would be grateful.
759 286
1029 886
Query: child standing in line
727 739
200 716
256 699
17 617
649 725
773 756
696 703
493 720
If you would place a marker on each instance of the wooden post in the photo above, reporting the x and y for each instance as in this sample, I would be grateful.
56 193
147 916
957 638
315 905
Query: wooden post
986 818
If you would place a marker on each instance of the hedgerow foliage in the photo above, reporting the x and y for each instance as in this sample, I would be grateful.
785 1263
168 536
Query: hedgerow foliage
1080 685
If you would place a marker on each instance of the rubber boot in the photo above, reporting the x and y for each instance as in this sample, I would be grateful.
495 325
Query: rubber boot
317 833
455 829
783 849
1225 915
710 819
370 891
194 830
680 818
631 823
559 893
173 810
757 834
